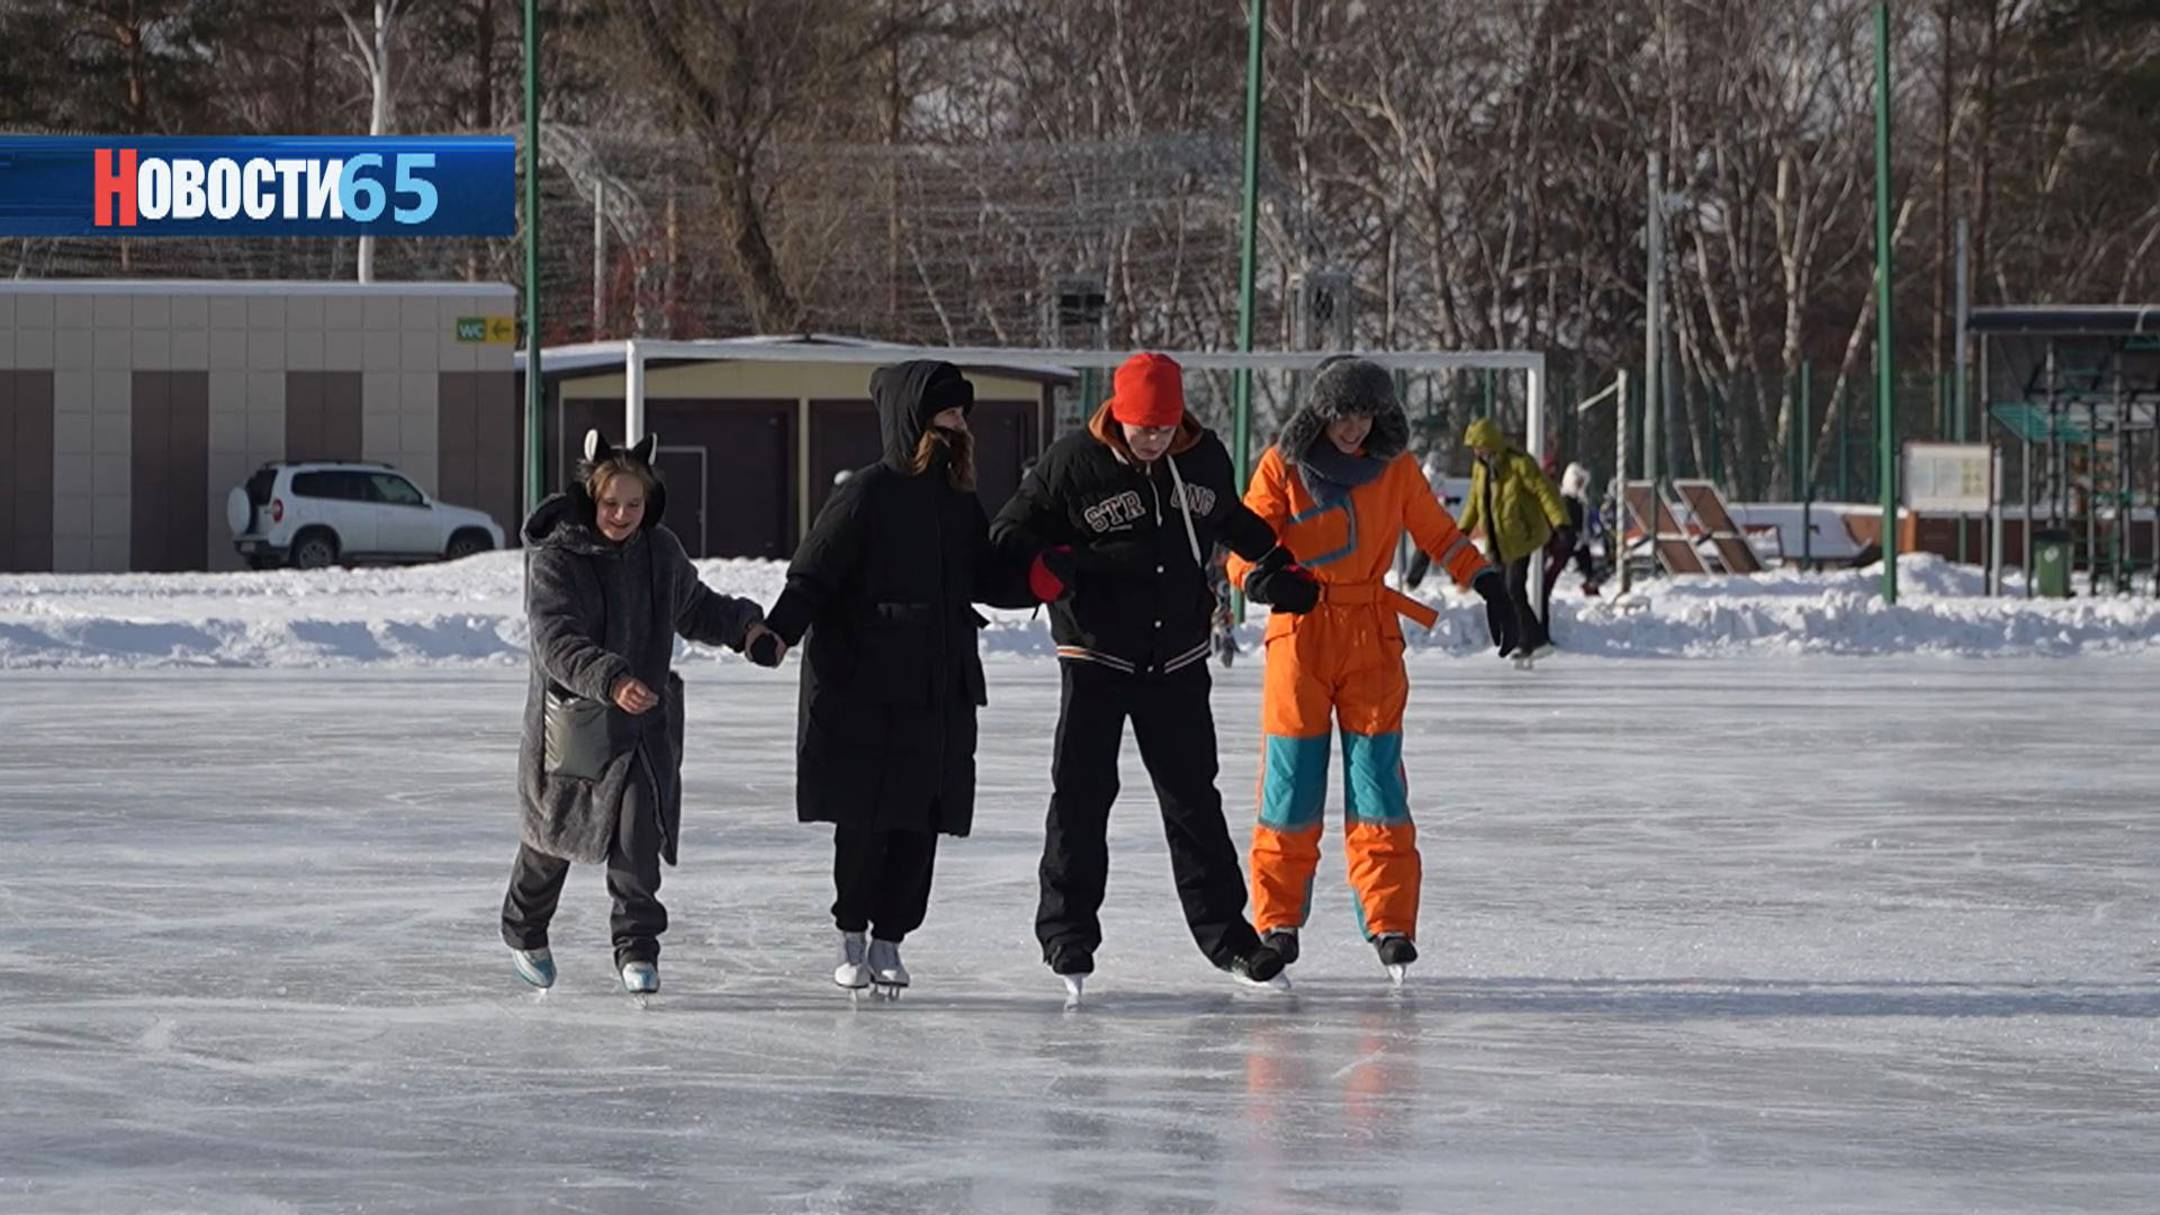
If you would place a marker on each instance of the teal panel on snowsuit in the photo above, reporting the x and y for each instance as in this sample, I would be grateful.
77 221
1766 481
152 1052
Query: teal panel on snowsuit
1374 787
1293 791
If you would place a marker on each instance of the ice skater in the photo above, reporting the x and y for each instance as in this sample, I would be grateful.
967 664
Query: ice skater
607 588
1573 542
1512 499
1340 487
1139 498
891 676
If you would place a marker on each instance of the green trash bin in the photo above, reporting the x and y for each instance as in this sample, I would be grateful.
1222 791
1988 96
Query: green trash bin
2051 563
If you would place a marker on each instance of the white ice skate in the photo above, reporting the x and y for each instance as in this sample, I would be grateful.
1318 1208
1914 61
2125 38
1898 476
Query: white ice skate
535 966
1073 985
853 972
887 976
641 979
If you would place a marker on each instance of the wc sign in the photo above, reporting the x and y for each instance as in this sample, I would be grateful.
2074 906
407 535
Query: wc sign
123 186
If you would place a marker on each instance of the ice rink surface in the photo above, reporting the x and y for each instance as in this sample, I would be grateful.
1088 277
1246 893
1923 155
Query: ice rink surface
1734 935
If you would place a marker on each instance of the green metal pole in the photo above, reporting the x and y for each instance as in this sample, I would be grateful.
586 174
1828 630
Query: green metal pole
1241 383
1844 444
1807 467
1885 358
1714 408
535 424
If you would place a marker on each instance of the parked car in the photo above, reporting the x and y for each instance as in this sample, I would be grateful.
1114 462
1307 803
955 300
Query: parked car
310 514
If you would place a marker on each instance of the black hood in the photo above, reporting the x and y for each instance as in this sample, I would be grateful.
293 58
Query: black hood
907 396
566 520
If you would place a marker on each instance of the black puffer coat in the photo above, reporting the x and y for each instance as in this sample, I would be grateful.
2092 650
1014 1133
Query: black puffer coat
882 586
599 611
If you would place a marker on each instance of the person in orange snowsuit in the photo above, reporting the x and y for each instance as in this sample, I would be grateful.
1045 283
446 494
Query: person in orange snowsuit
1339 490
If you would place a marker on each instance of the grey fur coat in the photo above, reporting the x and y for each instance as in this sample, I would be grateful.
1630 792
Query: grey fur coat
599 611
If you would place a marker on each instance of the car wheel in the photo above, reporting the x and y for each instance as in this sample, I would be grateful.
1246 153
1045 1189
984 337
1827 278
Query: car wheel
465 544
314 551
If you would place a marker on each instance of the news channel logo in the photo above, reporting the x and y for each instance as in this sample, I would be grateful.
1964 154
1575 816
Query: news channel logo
166 186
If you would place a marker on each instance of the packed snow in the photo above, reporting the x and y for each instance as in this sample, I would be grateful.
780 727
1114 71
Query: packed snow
470 613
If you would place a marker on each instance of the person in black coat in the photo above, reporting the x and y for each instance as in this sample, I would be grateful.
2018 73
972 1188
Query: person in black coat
891 678
1139 499
607 590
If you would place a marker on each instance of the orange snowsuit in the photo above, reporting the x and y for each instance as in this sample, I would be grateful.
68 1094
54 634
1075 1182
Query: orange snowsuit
1343 659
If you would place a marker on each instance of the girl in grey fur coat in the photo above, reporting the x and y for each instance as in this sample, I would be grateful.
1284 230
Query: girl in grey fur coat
607 588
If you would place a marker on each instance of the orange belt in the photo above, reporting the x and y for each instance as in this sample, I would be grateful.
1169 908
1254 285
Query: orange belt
1360 594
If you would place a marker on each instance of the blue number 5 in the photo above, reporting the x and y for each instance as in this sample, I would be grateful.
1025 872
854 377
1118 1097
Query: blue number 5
418 187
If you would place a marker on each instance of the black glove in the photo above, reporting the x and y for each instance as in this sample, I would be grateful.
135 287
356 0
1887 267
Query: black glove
764 649
1491 586
1282 583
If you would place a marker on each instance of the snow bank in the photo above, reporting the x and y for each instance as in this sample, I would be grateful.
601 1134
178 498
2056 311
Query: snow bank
469 613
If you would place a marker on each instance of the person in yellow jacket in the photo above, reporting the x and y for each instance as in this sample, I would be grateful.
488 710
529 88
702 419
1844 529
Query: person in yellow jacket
1516 504
1339 490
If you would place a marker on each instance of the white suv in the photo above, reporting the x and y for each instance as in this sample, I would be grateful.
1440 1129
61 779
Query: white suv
317 513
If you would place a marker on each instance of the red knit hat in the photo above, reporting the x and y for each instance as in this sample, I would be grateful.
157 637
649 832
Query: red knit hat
1149 390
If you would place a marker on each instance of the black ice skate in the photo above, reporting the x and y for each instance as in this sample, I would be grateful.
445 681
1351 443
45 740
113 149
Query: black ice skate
1284 942
1262 967
1074 966
1396 953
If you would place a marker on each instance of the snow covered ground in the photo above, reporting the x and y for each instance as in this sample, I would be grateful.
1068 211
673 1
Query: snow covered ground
1767 935
469 614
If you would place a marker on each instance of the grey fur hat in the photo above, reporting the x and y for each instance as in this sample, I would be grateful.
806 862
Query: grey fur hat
1347 386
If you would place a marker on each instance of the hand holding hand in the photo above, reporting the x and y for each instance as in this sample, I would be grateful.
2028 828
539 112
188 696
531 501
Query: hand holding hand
1277 580
764 647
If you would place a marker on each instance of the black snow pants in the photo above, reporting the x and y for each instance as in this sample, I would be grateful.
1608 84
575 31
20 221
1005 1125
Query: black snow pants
883 880
633 881
1176 731
1529 626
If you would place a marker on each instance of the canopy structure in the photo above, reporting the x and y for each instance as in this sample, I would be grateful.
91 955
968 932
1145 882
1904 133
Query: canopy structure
2078 388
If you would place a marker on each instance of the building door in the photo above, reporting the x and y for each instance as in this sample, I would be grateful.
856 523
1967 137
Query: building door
1004 444
750 476
843 437
682 470
169 471
26 472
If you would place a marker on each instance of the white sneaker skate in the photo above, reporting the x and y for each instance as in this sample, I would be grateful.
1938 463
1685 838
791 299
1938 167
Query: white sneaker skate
853 972
641 978
887 975
535 966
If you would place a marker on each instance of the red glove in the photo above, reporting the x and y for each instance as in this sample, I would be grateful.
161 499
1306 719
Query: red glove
1050 574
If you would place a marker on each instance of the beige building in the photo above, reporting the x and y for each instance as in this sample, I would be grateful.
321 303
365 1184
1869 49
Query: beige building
132 408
